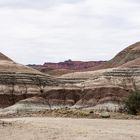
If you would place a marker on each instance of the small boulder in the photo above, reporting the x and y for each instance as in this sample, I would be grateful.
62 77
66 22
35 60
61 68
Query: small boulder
105 115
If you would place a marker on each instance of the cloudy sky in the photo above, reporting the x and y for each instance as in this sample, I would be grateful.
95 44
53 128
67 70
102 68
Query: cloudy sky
35 31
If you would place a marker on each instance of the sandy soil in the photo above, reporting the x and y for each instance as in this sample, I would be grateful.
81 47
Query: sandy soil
69 129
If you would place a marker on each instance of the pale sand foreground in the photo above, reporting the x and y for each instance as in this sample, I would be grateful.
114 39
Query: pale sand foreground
69 129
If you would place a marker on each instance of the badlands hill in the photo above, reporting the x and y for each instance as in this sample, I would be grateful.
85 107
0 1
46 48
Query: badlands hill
23 88
19 82
8 65
107 87
3 57
129 57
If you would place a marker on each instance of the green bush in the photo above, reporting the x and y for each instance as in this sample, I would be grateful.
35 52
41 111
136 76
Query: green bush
132 103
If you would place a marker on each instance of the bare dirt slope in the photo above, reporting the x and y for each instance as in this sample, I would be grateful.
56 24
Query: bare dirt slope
129 57
69 129
8 65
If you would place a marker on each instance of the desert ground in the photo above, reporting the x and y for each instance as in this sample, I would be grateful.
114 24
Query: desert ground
68 129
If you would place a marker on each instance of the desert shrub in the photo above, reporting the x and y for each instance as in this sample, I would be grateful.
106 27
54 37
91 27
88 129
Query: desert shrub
132 103
91 112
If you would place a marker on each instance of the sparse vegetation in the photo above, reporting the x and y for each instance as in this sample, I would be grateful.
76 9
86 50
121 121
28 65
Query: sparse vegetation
132 103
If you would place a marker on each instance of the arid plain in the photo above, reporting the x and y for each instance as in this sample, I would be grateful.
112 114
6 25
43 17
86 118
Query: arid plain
69 129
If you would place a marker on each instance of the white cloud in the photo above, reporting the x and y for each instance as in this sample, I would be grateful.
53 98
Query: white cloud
39 31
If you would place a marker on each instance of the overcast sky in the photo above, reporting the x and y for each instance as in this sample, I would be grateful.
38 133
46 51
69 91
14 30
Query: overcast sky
35 31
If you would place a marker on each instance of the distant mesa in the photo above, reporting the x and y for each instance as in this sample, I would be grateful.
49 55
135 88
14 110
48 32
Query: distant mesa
73 65
68 66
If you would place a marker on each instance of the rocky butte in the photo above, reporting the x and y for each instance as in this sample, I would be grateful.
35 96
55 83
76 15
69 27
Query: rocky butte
102 88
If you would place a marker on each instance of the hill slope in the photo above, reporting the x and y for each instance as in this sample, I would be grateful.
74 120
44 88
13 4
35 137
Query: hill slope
19 82
129 57
8 65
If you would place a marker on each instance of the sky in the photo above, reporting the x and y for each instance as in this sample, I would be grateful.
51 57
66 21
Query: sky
38 31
